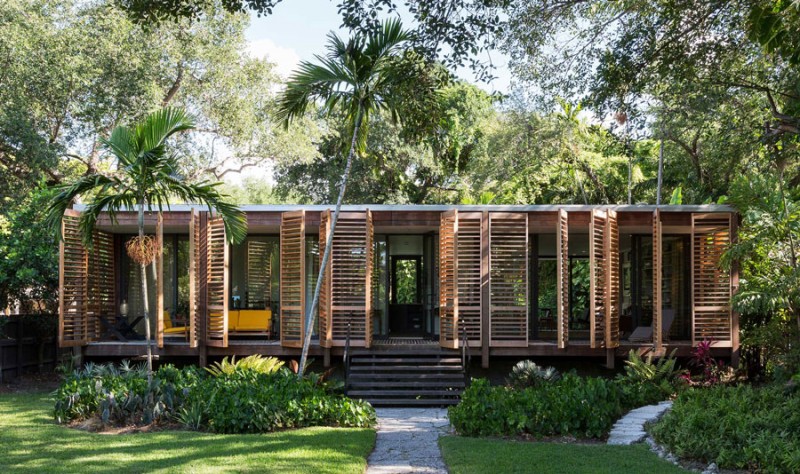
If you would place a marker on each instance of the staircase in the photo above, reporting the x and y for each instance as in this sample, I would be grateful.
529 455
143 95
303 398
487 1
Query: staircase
405 378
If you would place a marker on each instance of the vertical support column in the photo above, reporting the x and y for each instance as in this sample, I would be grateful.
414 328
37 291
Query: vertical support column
202 288
735 352
485 290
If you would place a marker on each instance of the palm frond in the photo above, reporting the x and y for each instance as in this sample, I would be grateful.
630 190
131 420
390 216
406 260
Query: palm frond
109 200
158 126
66 195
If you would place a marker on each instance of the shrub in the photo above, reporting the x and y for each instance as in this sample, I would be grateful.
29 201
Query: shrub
575 406
739 427
255 395
255 362
645 381
246 401
527 373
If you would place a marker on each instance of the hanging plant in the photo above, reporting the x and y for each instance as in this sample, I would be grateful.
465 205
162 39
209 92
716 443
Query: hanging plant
142 249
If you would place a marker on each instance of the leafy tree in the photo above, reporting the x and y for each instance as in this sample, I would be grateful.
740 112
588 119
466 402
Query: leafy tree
146 177
357 79
459 28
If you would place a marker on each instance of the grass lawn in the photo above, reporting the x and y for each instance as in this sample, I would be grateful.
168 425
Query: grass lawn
478 455
30 441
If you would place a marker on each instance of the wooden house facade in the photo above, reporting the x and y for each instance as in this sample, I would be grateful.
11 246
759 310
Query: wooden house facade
522 281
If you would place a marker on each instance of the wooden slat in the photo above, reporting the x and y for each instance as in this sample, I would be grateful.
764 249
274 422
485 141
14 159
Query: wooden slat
347 280
325 320
562 278
471 239
448 285
73 325
711 285
598 264
370 261
658 310
259 273
612 286
217 284
292 278
101 292
159 264
508 279
194 276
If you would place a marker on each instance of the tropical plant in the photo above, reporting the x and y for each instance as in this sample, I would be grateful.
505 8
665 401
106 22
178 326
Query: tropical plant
642 369
355 77
527 373
146 178
255 362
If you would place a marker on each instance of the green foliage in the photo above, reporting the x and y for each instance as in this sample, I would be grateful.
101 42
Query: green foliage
253 395
256 363
246 401
741 427
645 381
572 406
527 373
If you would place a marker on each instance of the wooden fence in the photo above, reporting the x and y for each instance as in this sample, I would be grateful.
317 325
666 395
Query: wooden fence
28 343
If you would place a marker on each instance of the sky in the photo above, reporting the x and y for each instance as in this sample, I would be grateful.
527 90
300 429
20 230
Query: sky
297 30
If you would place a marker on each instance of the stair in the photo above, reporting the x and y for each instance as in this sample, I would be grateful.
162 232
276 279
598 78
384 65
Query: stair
402 378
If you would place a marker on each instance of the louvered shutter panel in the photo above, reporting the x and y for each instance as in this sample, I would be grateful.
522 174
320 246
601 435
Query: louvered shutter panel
711 285
562 278
217 284
448 285
73 327
292 278
597 279
159 264
194 276
612 281
508 279
657 283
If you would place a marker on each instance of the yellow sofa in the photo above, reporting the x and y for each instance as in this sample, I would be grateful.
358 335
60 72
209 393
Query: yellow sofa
169 329
250 320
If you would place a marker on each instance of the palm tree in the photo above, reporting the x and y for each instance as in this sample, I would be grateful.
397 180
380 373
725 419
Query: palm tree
146 177
355 78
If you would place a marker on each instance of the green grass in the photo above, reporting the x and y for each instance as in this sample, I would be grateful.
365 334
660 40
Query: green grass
480 455
32 442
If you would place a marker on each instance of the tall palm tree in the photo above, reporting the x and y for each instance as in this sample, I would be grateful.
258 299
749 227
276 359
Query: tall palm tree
146 177
356 78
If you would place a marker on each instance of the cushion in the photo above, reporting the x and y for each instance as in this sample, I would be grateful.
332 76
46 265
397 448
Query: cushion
254 320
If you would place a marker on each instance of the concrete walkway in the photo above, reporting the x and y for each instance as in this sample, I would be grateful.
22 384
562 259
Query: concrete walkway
630 428
408 441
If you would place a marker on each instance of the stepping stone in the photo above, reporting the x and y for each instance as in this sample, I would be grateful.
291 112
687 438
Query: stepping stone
407 441
630 428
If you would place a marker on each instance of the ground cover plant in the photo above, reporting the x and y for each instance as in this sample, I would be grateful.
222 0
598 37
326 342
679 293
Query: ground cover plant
253 395
540 403
479 456
32 442
738 427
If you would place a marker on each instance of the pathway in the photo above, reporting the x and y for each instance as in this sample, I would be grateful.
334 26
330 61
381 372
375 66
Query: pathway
630 428
408 441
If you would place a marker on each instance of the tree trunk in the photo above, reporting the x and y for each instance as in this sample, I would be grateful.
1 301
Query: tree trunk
329 243
660 172
145 302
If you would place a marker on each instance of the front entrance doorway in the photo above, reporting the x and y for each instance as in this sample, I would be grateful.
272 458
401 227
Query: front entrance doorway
406 312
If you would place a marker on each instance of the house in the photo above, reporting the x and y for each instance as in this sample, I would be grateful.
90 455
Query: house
522 281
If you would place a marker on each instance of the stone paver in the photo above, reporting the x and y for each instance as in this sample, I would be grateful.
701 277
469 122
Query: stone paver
630 428
408 441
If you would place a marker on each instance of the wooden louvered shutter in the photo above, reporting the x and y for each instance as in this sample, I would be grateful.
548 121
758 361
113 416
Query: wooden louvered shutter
101 293
370 261
469 243
508 279
612 281
448 285
348 279
597 279
325 319
73 324
217 284
658 310
259 273
159 264
194 276
711 285
292 278
562 278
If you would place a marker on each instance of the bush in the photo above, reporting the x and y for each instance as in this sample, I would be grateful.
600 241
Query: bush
646 382
737 427
241 397
527 373
574 406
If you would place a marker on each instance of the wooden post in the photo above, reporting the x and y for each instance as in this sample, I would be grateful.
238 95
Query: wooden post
735 353
485 297
202 306
326 357
610 352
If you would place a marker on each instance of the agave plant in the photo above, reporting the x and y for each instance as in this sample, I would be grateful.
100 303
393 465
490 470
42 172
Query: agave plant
527 373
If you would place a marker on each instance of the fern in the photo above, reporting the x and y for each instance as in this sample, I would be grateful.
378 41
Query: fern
255 363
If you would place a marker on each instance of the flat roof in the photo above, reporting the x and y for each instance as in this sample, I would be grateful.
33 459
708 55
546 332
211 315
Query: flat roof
460 207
